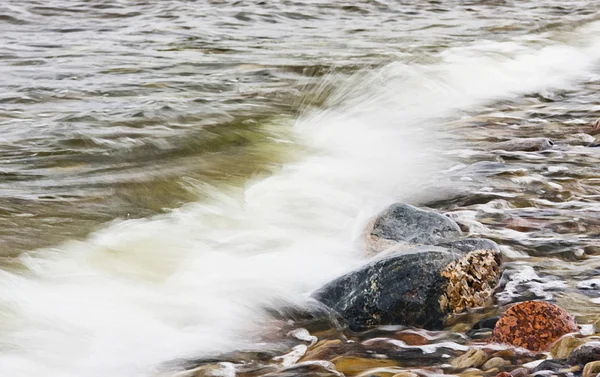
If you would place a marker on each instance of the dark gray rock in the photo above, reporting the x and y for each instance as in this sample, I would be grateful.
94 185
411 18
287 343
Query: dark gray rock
405 223
417 288
534 144
471 244
585 353
551 365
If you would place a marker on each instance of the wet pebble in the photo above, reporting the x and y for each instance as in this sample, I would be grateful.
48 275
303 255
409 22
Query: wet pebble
324 350
591 369
520 372
495 362
533 325
585 353
563 347
473 358
406 374
551 365
351 365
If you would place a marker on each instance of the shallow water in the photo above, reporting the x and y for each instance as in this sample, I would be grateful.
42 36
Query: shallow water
170 169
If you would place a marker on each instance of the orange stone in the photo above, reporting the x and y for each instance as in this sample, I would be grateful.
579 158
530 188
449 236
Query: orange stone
533 325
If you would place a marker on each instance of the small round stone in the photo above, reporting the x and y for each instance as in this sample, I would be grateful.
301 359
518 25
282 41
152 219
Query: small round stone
533 325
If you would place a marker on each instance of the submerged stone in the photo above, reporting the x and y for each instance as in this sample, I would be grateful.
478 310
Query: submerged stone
533 325
418 289
407 224
351 365
533 144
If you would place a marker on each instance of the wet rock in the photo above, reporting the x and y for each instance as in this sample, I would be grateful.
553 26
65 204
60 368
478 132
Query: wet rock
407 224
324 350
563 347
406 374
466 245
551 365
520 372
329 348
471 372
585 353
310 368
411 338
208 370
503 374
482 329
415 289
533 144
595 127
533 325
591 369
495 362
351 365
474 358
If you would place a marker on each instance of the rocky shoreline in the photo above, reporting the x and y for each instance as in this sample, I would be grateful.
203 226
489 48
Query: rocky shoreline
425 305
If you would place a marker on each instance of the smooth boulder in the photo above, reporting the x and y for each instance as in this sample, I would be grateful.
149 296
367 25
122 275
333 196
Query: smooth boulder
403 223
419 288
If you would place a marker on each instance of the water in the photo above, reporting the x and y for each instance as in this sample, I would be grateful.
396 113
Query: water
170 169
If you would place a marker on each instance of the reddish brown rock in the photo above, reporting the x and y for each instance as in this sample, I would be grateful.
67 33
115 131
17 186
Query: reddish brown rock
533 325
503 374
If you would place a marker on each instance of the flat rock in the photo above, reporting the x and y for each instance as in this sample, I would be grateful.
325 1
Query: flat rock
407 224
415 289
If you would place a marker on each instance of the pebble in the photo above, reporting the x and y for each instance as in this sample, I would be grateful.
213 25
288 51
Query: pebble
597 326
351 365
520 372
563 347
585 353
591 369
471 372
323 349
406 374
503 374
551 365
473 358
494 362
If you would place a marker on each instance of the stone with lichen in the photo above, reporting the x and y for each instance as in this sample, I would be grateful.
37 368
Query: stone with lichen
420 288
533 325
